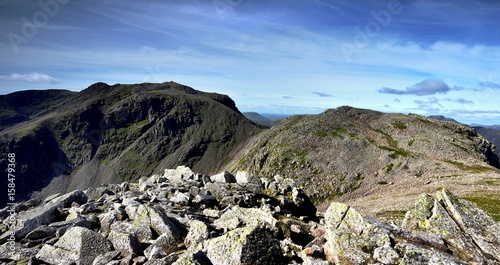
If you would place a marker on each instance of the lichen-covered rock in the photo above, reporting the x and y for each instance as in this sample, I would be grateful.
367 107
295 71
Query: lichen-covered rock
198 232
126 243
351 239
229 223
480 226
31 219
463 226
234 216
143 233
418 255
78 245
250 245
147 216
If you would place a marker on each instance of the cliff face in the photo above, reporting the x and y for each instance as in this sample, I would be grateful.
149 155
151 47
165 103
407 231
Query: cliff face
348 153
111 133
492 133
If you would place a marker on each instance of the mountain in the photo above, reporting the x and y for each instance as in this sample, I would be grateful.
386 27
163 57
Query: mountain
441 118
491 132
266 120
27 105
364 157
65 140
259 119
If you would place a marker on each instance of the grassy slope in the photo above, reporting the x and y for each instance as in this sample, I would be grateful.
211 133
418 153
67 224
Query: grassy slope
112 133
376 161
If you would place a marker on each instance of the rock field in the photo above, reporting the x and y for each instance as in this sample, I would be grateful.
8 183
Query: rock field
182 217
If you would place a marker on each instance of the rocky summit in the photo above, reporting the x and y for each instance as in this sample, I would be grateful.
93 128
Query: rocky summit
362 157
181 217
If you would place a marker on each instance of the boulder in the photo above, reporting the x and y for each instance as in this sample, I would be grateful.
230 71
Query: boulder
143 233
351 239
180 173
126 243
470 233
252 244
15 251
198 232
224 177
234 216
156 219
33 218
78 245
244 177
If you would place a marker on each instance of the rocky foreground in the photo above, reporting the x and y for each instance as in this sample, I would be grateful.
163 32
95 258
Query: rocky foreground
187 218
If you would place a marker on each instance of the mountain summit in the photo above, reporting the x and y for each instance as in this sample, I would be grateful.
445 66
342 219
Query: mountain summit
65 140
365 157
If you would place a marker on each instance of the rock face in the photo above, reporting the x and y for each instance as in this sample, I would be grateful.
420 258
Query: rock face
147 223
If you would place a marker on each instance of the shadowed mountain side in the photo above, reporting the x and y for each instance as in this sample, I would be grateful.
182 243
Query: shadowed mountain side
348 153
491 133
112 133
25 105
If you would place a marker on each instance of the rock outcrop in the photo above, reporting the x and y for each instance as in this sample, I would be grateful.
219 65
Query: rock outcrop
182 217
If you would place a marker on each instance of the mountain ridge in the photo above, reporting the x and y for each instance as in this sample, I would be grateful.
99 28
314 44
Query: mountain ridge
109 133
356 156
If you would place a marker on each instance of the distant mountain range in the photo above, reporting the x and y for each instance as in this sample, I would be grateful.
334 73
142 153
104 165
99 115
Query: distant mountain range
267 120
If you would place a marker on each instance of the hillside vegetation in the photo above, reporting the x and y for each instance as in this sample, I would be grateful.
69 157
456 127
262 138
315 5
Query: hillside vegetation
65 140
367 157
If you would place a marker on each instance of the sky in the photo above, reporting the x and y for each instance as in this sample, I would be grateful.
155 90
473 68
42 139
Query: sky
426 57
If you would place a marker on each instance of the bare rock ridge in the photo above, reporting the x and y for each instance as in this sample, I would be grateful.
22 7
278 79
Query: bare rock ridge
181 217
66 140
349 153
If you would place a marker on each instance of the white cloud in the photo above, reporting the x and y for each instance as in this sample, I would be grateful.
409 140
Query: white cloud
31 77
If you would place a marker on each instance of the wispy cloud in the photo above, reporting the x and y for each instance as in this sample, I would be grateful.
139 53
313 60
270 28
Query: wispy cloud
31 77
325 4
424 88
462 101
488 84
431 104
323 95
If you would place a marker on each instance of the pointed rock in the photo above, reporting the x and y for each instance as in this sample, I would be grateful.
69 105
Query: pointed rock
79 245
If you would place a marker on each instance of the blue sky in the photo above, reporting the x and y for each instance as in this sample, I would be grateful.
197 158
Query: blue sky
410 56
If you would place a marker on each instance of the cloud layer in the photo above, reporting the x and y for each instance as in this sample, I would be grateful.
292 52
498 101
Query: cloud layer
269 48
